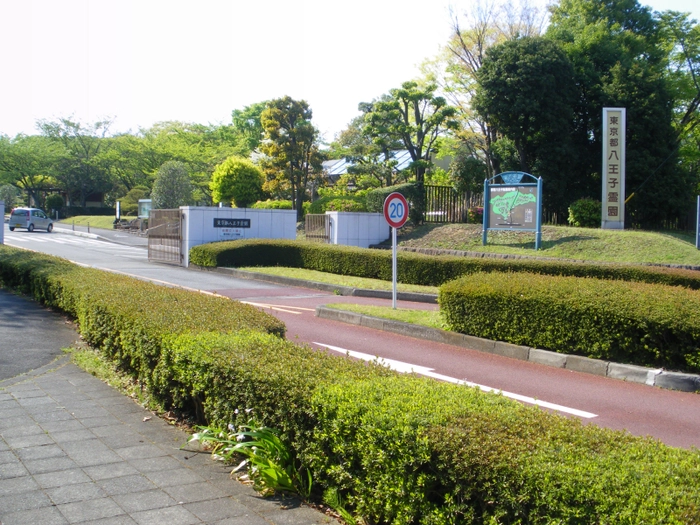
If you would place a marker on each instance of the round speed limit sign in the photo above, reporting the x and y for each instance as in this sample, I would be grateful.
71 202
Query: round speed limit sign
396 210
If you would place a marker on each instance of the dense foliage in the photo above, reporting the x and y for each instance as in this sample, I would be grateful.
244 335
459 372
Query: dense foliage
415 268
638 323
395 449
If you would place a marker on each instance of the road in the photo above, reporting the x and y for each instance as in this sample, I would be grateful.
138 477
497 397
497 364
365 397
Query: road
673 417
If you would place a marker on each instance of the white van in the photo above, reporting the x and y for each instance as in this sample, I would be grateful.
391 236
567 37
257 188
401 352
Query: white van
31 219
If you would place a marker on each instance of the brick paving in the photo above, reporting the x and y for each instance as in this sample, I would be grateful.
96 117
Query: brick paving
75 450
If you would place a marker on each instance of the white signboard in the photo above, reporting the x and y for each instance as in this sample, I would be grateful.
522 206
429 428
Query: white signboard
613 199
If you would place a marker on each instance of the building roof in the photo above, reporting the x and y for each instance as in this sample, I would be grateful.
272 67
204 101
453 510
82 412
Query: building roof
335 168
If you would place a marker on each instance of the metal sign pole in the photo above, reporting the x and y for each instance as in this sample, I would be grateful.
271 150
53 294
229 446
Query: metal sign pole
393 268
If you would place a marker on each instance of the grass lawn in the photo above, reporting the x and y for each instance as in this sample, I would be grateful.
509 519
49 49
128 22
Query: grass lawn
428 318
94 221
340 280
590 244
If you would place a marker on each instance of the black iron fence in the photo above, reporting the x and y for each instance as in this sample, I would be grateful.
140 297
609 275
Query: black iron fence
444 204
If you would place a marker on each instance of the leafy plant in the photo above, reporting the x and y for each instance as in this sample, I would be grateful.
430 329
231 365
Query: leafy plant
585 213
273 466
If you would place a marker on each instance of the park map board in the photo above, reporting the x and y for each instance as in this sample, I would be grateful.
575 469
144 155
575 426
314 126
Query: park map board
513 205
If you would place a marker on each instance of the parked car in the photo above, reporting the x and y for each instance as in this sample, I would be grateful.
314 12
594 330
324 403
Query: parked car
31 219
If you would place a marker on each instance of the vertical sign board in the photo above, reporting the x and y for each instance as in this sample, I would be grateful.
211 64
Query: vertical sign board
396 214
613 212
2 214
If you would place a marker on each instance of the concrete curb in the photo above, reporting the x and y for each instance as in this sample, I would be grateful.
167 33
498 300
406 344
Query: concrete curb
632 373
333 288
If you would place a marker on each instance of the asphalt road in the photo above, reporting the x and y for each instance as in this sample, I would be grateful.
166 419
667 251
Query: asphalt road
673 417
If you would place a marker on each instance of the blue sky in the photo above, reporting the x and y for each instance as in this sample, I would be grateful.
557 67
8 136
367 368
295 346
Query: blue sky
144 61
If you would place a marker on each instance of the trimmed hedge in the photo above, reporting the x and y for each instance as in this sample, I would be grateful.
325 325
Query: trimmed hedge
416 268
397 449
125 317
645 324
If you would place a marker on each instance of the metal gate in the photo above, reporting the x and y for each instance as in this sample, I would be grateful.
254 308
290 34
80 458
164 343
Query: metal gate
165 237
318 227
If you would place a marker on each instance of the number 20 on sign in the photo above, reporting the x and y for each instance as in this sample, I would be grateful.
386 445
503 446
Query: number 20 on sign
396 214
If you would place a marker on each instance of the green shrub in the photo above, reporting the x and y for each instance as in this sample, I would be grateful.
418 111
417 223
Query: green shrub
645 324
413 193
338 203
585 213
397 449
415 268
273 205
126 318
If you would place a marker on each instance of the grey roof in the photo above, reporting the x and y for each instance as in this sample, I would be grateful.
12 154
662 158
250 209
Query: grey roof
338 167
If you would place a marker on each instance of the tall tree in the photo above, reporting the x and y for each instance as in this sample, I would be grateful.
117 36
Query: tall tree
28 162
414 115
247 127
620 61
526 91
172 187
80 174
290 146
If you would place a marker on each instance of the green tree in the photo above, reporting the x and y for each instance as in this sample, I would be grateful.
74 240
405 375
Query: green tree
291 147
456 69
27 162
80 173
415 116
247 127
130 201
172 187
237 180
621 59
9 194
526 90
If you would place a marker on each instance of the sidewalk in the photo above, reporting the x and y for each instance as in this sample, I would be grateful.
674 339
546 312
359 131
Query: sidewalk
75 450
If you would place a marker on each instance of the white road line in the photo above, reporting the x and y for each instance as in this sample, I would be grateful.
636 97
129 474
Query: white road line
400 366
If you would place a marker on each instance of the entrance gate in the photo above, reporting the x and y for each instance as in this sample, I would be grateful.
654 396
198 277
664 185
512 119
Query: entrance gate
165 237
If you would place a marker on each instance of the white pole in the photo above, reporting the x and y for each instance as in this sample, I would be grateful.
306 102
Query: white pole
393 268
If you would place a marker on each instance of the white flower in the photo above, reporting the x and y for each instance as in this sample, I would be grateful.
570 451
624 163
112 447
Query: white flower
240 437
248 410
231 427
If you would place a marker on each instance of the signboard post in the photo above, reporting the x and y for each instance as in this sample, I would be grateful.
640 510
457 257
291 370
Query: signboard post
697 227
613 209
396 214
513 205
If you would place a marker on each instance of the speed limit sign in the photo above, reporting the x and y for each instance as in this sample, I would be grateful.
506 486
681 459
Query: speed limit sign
396 210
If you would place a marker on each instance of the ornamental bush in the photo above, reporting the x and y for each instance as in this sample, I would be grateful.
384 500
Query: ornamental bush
395 448
585 213
637 323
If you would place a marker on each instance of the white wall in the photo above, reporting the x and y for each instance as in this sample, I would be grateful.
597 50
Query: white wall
358 228
198 225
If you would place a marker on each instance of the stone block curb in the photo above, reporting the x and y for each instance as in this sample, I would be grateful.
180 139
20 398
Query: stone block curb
631 373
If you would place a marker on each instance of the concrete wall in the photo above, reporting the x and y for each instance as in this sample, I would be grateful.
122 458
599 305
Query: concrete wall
198 225
358 228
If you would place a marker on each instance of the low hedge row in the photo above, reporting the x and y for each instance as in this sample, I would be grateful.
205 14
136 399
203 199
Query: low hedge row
415 268
639 323
404 450
125 317
397 449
